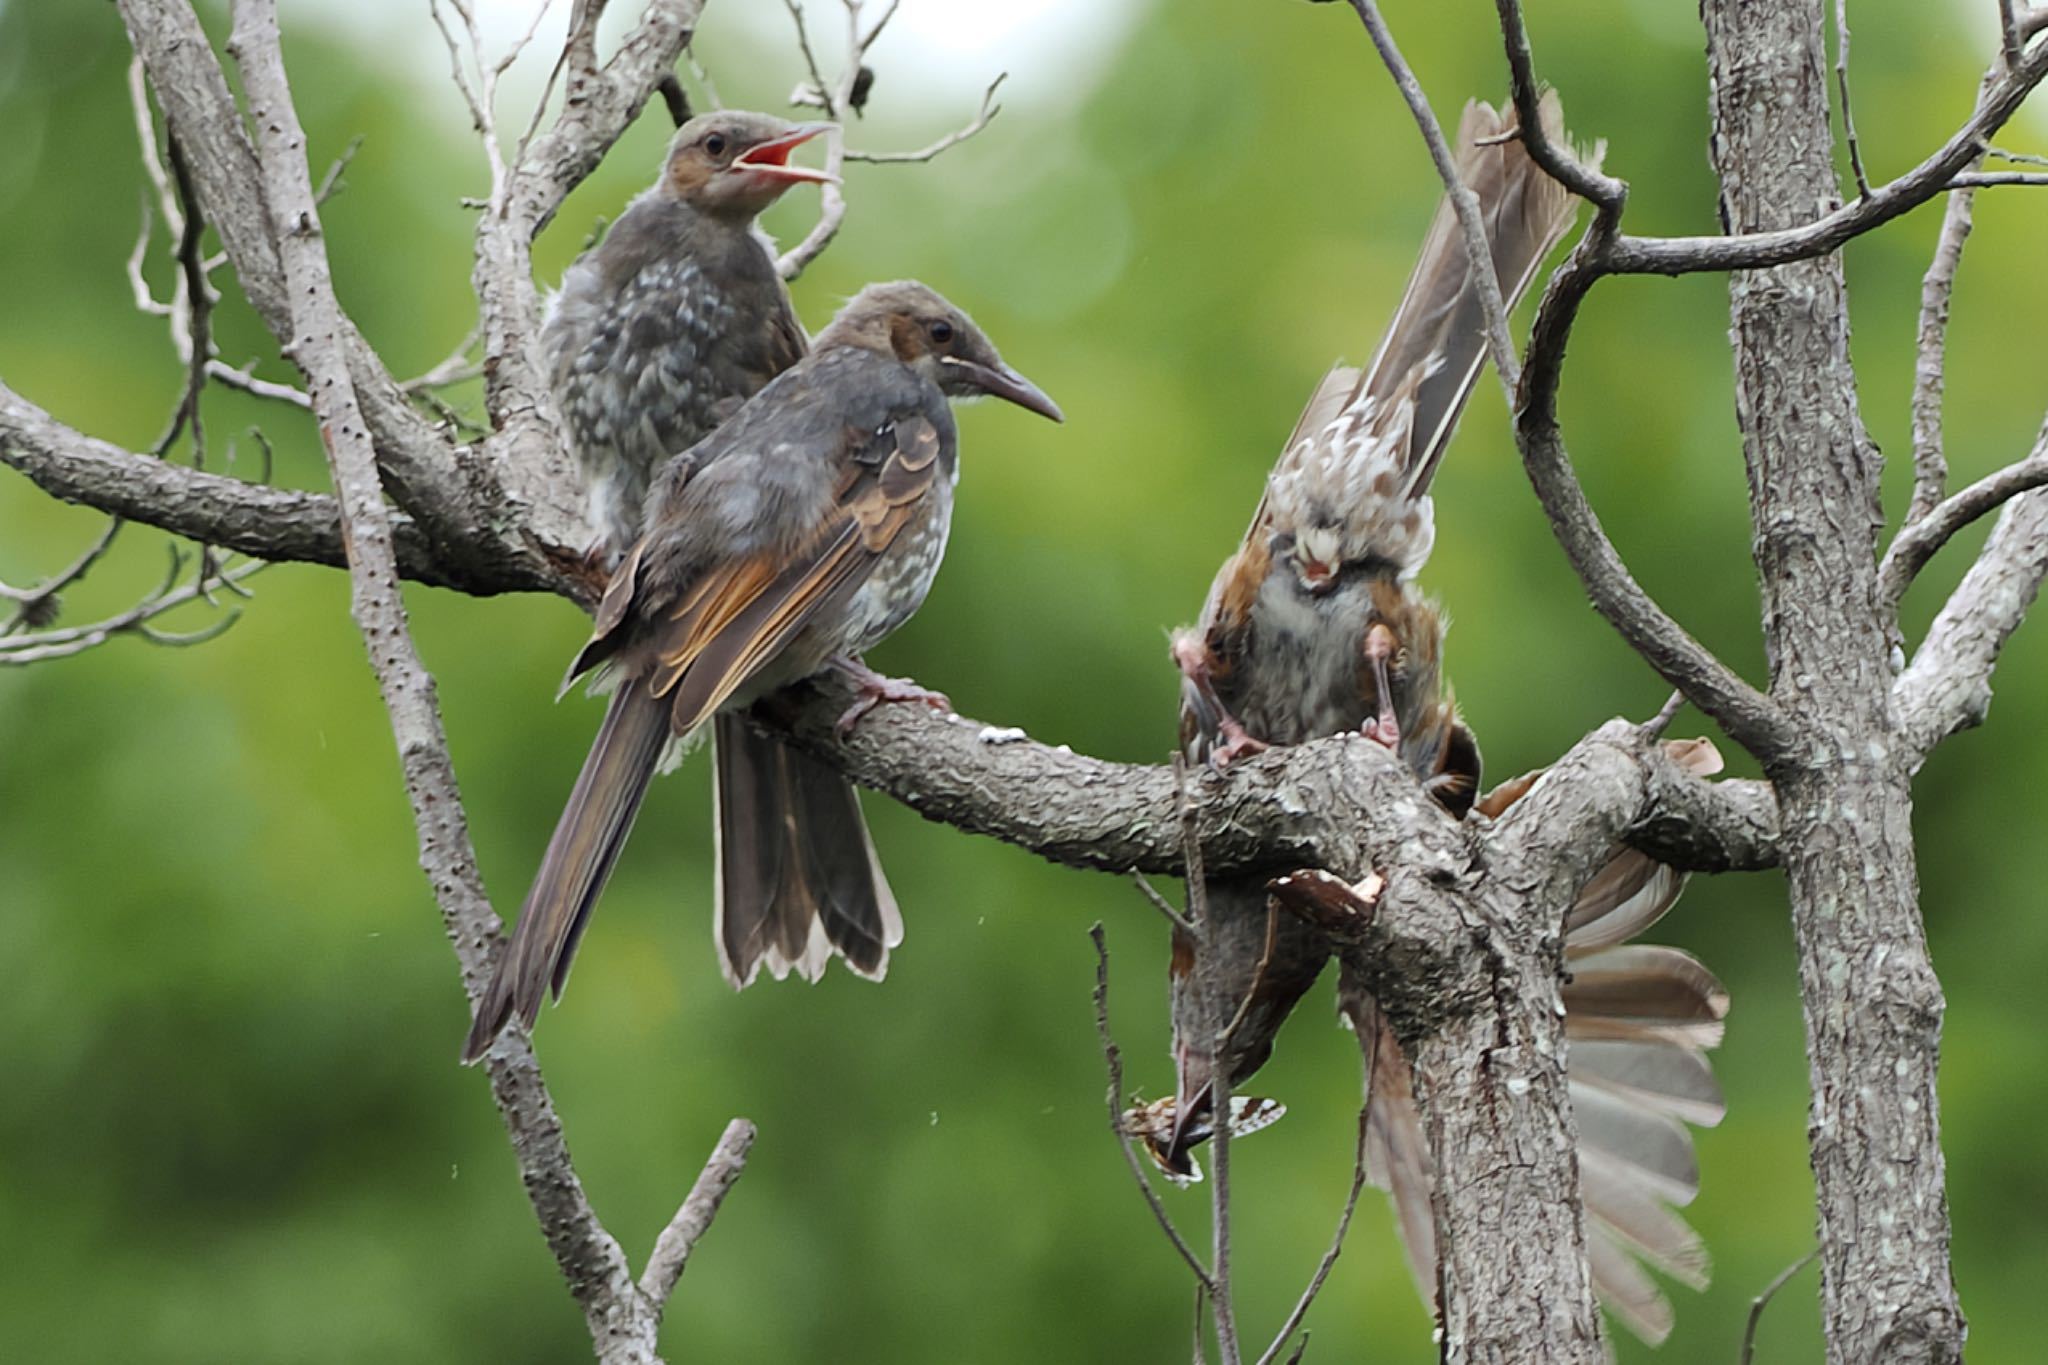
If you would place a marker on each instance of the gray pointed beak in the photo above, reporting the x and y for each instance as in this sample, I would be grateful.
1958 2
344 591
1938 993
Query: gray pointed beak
1003 382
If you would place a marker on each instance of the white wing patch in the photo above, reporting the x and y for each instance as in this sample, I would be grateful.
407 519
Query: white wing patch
1151 1124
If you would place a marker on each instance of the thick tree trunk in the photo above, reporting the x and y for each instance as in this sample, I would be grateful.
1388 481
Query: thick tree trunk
1873 1006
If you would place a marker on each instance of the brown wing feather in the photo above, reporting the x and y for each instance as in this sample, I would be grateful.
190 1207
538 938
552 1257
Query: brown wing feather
737 620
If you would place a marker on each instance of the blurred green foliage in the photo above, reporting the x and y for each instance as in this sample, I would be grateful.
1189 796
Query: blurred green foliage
232 1125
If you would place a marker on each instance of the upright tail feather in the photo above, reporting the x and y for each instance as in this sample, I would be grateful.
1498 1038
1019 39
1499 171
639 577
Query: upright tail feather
1441 324
579 858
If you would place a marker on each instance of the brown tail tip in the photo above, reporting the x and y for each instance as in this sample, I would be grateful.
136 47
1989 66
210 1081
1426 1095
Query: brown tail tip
492 1014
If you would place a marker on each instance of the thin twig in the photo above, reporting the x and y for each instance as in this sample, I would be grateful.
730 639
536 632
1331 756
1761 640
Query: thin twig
1656 725
704 82
1842 83
1159 902
841 99
1761 250
1917 543
671 1254
1113 1058
888 13
1980 180
1200 1355
455 369
224 373
37 606
42 646
173 310
1763 1300
1498 345
1589 183
1930 363
479 116
803 43
838 100
989 109
331 181
199 299
1336 1248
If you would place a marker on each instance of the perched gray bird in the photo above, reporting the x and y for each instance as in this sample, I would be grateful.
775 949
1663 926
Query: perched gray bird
793 538
678 316
659 334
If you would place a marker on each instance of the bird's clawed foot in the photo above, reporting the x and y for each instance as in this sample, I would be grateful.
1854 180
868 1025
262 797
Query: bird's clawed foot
1380 648
1192 657
876 688
1237 743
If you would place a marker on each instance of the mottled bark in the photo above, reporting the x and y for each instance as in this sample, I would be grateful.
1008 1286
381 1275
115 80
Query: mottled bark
1872 1004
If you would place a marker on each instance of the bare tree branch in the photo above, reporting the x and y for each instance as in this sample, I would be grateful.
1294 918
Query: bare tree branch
671 1254
264 523
838 103
1751 250
622 1326
1947 686
1930 462
1763 1301
60 643
248 383
1981 180
1917 543
37 606
989 109
1498 345
1842 86
1323 1267
1113 1058
524 449
1750 718
419 466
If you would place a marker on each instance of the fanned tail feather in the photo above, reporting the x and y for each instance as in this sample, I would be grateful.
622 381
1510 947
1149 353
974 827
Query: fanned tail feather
798 878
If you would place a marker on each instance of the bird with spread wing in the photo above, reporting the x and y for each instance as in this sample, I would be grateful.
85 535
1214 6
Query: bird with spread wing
1314 627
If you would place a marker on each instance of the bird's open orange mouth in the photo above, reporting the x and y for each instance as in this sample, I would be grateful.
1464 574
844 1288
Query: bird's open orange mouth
771 158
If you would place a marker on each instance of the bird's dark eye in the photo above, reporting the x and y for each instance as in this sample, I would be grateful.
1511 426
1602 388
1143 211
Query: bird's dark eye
941 331
715 144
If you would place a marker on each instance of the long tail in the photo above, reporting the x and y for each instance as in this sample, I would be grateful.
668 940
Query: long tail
798 879
1369 440
1440 326
580 855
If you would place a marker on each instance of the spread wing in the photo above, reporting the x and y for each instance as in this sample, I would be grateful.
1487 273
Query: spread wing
736 617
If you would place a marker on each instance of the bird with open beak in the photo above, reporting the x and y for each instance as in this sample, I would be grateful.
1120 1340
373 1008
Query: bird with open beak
792 539
678 316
